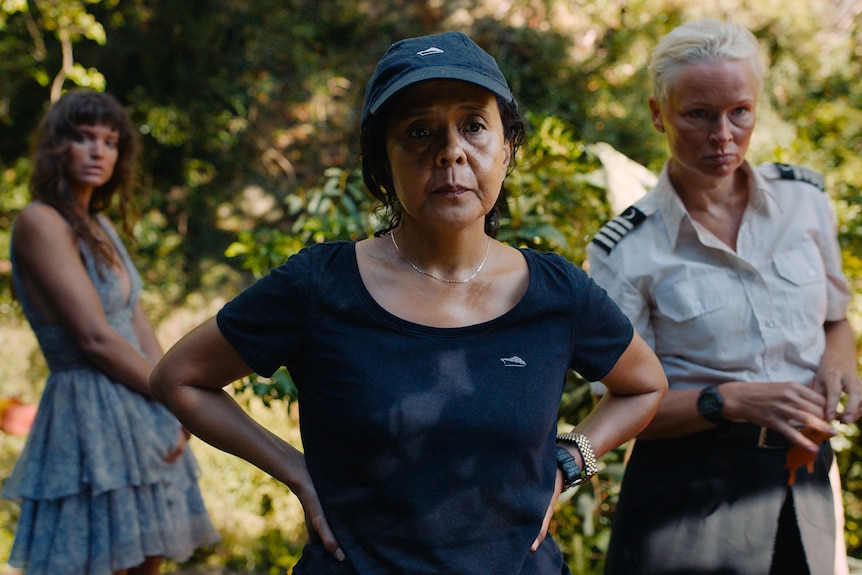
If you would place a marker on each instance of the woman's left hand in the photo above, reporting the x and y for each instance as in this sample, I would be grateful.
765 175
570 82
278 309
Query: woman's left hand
558 488
837 375
833 383
179 448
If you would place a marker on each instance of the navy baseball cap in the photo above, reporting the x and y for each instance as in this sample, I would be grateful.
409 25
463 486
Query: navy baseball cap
450 55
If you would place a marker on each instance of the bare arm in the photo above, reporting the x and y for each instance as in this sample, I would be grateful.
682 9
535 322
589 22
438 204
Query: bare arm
777 405
783 406
635 387
189 381
146 334
56 280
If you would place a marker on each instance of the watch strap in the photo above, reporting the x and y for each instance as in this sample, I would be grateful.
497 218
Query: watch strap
586 449
567 464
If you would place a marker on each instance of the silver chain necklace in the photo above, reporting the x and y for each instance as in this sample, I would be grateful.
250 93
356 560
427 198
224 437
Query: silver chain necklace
438 278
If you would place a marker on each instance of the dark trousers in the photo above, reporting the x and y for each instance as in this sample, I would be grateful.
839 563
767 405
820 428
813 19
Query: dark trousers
788 556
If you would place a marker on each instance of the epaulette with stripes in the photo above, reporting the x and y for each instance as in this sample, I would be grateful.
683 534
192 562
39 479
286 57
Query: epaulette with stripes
616 229
801 174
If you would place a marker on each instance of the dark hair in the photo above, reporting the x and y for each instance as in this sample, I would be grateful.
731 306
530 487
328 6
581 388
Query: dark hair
377 174
49 181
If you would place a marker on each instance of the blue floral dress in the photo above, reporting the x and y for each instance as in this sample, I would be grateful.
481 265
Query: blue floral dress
96 495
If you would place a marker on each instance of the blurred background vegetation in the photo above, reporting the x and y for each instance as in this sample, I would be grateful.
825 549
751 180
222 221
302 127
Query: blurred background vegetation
249 110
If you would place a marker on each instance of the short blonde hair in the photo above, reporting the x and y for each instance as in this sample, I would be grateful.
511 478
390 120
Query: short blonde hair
701 41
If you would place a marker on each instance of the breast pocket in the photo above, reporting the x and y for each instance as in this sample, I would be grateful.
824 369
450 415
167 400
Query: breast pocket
691 298
801 286
800 265
694 318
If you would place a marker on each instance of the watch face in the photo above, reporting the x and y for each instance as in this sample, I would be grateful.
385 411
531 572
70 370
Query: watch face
710 404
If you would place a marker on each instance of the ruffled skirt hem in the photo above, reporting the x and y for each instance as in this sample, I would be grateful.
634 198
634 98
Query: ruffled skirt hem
104 533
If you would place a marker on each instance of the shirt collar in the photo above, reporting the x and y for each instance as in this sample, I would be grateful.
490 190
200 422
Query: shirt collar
673 211
669 205
762 195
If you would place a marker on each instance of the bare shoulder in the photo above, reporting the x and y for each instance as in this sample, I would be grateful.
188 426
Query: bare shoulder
37 218
511 257
39 225
511 274
376 266
373 248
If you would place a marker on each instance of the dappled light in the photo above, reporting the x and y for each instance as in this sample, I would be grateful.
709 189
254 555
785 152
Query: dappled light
249 125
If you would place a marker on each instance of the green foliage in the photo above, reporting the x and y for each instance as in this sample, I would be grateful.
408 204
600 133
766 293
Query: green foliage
9 449
555 201
848 454
248 113
279 387
259 520
336 209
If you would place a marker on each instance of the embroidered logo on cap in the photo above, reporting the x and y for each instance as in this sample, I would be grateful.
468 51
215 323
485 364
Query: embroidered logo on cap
429 51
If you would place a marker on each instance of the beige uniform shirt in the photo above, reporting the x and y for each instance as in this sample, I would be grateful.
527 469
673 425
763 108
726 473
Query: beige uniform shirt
713 315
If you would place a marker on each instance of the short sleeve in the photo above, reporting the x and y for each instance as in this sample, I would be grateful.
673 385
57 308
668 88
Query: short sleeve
266 323
629 299
602 330
838 294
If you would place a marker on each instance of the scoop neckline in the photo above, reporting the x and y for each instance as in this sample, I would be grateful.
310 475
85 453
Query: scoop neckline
408 325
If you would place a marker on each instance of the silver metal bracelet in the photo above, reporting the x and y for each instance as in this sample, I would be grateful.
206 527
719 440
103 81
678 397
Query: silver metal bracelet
587 453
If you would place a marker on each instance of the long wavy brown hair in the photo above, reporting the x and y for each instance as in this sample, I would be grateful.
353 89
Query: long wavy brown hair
49 180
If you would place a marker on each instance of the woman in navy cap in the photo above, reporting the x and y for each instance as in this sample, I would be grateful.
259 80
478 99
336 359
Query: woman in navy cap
430 359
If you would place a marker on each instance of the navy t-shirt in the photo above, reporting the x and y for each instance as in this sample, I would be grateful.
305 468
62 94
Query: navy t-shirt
431 449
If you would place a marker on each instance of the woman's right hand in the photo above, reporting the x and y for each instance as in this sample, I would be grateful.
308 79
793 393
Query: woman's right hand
190 379
179 448
315 520
549 513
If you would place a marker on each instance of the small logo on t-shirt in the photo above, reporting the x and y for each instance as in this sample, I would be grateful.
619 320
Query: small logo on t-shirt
513 361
